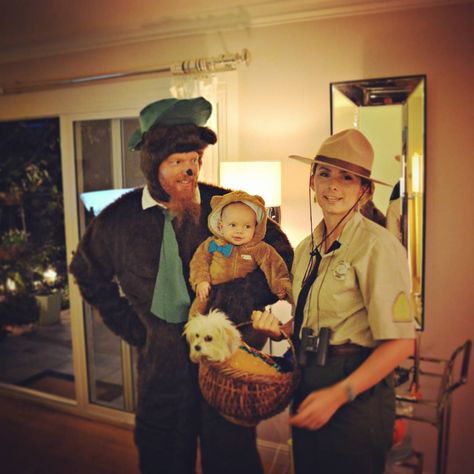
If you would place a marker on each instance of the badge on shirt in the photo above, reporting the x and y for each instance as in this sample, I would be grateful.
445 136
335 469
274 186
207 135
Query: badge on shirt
246 257
340 270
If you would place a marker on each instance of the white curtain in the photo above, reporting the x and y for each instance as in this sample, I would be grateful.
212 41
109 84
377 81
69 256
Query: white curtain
187 87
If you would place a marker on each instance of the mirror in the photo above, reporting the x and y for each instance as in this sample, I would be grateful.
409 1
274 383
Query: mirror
391 113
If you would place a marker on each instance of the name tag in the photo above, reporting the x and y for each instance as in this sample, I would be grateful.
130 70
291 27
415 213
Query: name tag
246 257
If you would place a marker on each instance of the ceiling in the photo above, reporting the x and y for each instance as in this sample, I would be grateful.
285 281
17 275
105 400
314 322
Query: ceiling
32 28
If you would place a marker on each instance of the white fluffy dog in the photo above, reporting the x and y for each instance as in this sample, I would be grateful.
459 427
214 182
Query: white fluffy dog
213 337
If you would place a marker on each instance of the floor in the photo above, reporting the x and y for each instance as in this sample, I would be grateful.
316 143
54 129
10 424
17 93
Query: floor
39 440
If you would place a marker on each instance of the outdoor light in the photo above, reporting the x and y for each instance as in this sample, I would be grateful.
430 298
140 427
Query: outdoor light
50 276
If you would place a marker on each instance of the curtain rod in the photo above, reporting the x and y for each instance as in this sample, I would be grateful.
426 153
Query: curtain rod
221 63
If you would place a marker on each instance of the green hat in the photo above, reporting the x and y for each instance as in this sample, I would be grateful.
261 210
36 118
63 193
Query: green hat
168 112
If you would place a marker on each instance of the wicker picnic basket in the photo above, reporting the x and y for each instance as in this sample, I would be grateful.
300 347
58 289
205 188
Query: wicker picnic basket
245 398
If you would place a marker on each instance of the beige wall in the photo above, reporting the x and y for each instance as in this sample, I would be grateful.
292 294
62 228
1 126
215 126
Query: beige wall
283 100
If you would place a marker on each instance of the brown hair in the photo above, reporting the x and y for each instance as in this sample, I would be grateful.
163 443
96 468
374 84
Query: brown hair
369 193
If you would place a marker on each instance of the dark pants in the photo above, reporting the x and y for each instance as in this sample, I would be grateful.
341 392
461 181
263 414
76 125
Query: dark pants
357 437
171 415
225 447
160 452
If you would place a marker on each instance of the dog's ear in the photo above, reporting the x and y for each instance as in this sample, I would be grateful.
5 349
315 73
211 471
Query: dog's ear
189 331
231 337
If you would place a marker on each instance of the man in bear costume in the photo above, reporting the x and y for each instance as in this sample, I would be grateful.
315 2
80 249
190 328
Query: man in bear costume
132 264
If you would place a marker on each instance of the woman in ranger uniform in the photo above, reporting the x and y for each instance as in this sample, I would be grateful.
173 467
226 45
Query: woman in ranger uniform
353 321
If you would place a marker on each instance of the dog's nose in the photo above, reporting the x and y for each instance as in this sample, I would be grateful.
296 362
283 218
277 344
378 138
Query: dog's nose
197 347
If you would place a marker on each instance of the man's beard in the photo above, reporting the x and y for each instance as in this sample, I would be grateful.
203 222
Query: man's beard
184 205
186 211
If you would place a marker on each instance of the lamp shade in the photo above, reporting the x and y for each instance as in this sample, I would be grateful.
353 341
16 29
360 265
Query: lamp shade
254 177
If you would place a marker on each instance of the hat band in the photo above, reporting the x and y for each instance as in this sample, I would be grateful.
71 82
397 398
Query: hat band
344 164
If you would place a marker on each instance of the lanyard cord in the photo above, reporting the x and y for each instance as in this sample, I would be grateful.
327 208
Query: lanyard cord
322 281
307 288
316 249
312 268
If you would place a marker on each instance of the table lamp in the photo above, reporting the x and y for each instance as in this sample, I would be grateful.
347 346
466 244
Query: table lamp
255 177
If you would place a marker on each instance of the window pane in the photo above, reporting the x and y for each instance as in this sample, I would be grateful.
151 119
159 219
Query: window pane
98 169
94 155
94 159
35 333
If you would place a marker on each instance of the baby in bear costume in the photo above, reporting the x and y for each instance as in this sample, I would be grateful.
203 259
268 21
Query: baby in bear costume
238 222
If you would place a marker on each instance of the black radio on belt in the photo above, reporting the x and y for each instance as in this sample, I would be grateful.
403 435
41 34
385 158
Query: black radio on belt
315 344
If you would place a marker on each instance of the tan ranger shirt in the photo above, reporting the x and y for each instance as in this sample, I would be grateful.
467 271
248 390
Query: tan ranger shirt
362 291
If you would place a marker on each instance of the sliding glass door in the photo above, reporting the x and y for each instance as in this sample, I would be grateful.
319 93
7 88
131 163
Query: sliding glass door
35 320
103 163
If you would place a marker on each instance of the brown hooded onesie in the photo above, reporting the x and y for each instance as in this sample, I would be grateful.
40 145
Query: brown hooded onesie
216 268
121 246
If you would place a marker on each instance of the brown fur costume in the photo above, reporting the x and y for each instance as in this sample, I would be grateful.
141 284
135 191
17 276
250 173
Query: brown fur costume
169 413
215 268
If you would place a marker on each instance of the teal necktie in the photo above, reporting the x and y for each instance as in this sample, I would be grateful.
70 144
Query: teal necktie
170 298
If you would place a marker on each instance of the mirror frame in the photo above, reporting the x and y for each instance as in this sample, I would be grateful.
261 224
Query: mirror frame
397 90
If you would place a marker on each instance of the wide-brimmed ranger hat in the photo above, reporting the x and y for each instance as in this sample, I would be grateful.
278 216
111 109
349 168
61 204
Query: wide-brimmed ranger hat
169 112
348 150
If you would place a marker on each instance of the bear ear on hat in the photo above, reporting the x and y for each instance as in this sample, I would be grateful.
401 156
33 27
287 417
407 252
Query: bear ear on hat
215 200
208 135
259 199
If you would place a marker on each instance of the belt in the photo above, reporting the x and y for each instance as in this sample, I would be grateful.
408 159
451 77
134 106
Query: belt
347 350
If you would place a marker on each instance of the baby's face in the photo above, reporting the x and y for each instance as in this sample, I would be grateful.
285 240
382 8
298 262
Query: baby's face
237 223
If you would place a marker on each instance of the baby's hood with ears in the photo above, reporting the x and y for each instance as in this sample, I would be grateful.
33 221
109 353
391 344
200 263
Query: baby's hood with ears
256 203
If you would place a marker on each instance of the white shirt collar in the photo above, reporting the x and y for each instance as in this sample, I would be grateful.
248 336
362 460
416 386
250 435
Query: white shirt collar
148 201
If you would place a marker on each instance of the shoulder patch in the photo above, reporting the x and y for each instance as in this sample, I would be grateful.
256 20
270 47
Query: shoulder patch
401 310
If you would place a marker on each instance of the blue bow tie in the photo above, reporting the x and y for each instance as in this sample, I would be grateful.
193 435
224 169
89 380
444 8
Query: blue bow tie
225 250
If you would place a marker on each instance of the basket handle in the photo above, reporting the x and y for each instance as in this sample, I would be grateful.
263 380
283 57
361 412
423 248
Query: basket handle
283 333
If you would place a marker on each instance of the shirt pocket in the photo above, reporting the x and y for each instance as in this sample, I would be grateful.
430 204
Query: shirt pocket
340 293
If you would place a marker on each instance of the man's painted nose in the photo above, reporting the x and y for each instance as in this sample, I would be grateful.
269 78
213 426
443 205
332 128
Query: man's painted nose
189 172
